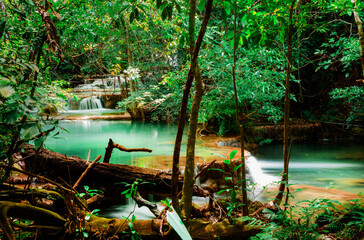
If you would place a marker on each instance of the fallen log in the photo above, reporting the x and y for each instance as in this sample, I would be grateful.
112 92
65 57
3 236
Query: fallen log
105 175
149 229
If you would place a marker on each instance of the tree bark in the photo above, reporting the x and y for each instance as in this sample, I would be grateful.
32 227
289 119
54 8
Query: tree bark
149 229
183 112
286 133
189 180
240 126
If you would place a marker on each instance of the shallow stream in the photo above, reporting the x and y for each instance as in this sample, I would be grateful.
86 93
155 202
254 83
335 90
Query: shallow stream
337 164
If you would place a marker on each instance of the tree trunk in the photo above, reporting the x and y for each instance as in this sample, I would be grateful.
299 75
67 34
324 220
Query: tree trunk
189 180
183 112
240 126
359 23
286 134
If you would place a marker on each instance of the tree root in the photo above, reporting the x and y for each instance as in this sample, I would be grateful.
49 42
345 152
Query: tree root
40 216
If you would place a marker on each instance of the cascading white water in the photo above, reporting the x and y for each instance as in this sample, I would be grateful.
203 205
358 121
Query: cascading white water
256 174
90 103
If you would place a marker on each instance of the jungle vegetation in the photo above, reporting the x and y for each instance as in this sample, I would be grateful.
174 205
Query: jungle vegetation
226 64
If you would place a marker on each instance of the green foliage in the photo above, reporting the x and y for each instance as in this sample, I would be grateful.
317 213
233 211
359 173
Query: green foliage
160 101
25 82
260 76
133 187
89 192
352 100
310 219
132 233
343 52
232 177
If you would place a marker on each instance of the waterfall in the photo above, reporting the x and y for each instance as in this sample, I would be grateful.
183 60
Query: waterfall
90 103
256 174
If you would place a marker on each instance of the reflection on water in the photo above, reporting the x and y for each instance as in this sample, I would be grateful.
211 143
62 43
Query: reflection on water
331 164
339 164
95 134
320 165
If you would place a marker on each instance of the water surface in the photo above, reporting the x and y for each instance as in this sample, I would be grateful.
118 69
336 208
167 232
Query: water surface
337 164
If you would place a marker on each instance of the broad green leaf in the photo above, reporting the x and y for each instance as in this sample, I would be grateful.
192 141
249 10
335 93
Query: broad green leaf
38 142
125 191
11 117
226 161
31 131
233 153
201 5
221 191
237 167
233 196
131 17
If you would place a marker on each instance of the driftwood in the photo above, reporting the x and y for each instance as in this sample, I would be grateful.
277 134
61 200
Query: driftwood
142 202
55 165
111 145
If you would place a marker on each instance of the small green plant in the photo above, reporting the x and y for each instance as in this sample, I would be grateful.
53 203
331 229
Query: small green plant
133 187
233 177
90 192
93 212
82 232
132 234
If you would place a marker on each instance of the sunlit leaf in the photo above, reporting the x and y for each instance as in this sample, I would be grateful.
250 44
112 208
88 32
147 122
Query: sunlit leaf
226 161
233 153
6 91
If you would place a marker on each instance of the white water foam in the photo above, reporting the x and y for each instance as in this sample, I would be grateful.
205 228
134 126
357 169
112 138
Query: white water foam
90 103
256 173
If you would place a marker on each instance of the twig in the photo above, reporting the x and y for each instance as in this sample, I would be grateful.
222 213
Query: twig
88 156
86 171
204 169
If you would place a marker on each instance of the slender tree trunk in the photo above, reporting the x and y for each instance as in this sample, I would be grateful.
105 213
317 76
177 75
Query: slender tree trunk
239 125
287 94
183 112
189 180
359 23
